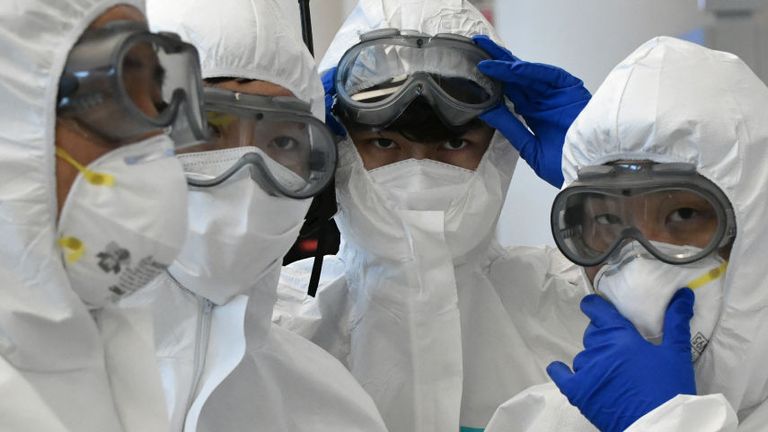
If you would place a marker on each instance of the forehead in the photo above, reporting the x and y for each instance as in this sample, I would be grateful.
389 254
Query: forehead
651 198
118 13
255 87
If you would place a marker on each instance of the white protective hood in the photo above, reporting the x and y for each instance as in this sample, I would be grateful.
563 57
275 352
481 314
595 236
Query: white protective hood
674 101
238 39
46 333
370 226
423 306
237 371
429 16
224 34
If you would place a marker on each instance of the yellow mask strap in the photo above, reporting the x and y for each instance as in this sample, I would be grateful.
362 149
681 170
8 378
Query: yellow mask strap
73 249
92 177
712 275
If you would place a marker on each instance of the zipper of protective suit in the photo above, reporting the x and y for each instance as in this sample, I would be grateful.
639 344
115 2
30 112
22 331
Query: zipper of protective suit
203 334
202 337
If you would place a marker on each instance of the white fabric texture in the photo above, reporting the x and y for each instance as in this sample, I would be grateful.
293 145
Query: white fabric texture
674 101
137 225
54 367
225 40
237 232
436 321
224 365
544 408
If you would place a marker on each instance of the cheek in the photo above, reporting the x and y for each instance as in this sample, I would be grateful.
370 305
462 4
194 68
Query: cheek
140 91
460 160
468 158
374 157
591 272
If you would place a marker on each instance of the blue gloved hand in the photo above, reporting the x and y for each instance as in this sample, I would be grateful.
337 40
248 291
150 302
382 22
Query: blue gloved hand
329 86
619 377
547 97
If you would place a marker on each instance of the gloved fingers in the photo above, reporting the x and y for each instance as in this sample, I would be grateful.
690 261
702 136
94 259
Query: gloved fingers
334 125
598 339
513 130
493 49
602 313
498 70
531 77
561 375
677 320
329 81
329 86
593 336
551 76
595 355
570 99
581 360
542 115
533 98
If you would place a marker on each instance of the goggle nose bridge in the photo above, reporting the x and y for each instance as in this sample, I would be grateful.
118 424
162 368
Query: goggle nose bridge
626 236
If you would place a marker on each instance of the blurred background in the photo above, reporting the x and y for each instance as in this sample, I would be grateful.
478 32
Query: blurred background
587 38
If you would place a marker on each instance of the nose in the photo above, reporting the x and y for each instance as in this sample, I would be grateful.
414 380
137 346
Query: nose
422 151
651 229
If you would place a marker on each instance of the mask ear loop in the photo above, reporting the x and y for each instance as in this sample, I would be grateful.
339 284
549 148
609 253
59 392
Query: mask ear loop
74 249
710 276
92 177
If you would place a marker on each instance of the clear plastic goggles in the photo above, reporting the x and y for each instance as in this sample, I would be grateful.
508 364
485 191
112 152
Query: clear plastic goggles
123 82
287 150
611 205
378 78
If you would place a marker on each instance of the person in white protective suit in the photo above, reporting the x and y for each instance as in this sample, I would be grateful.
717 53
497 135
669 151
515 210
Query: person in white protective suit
673 102
437 321
92 206
224 365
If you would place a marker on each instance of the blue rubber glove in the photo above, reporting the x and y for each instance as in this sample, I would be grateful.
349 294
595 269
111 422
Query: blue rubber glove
547 97
329 86
620 377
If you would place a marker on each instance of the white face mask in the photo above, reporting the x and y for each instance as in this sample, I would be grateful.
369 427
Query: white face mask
422 184
461 205
236 231
641 287
124 220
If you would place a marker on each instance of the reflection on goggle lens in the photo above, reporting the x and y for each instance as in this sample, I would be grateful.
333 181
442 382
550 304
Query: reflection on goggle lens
653 203
676 217
287 150
122 82
287 143
144 78
590 226
461 89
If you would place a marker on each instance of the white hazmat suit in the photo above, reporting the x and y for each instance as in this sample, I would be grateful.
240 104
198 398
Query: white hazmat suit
437 321
674 101
224 365
54 355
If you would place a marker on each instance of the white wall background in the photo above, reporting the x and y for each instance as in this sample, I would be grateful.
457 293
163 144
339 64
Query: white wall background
327 16
587 38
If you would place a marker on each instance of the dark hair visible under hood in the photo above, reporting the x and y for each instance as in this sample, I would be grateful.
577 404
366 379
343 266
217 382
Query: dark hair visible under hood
219 80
